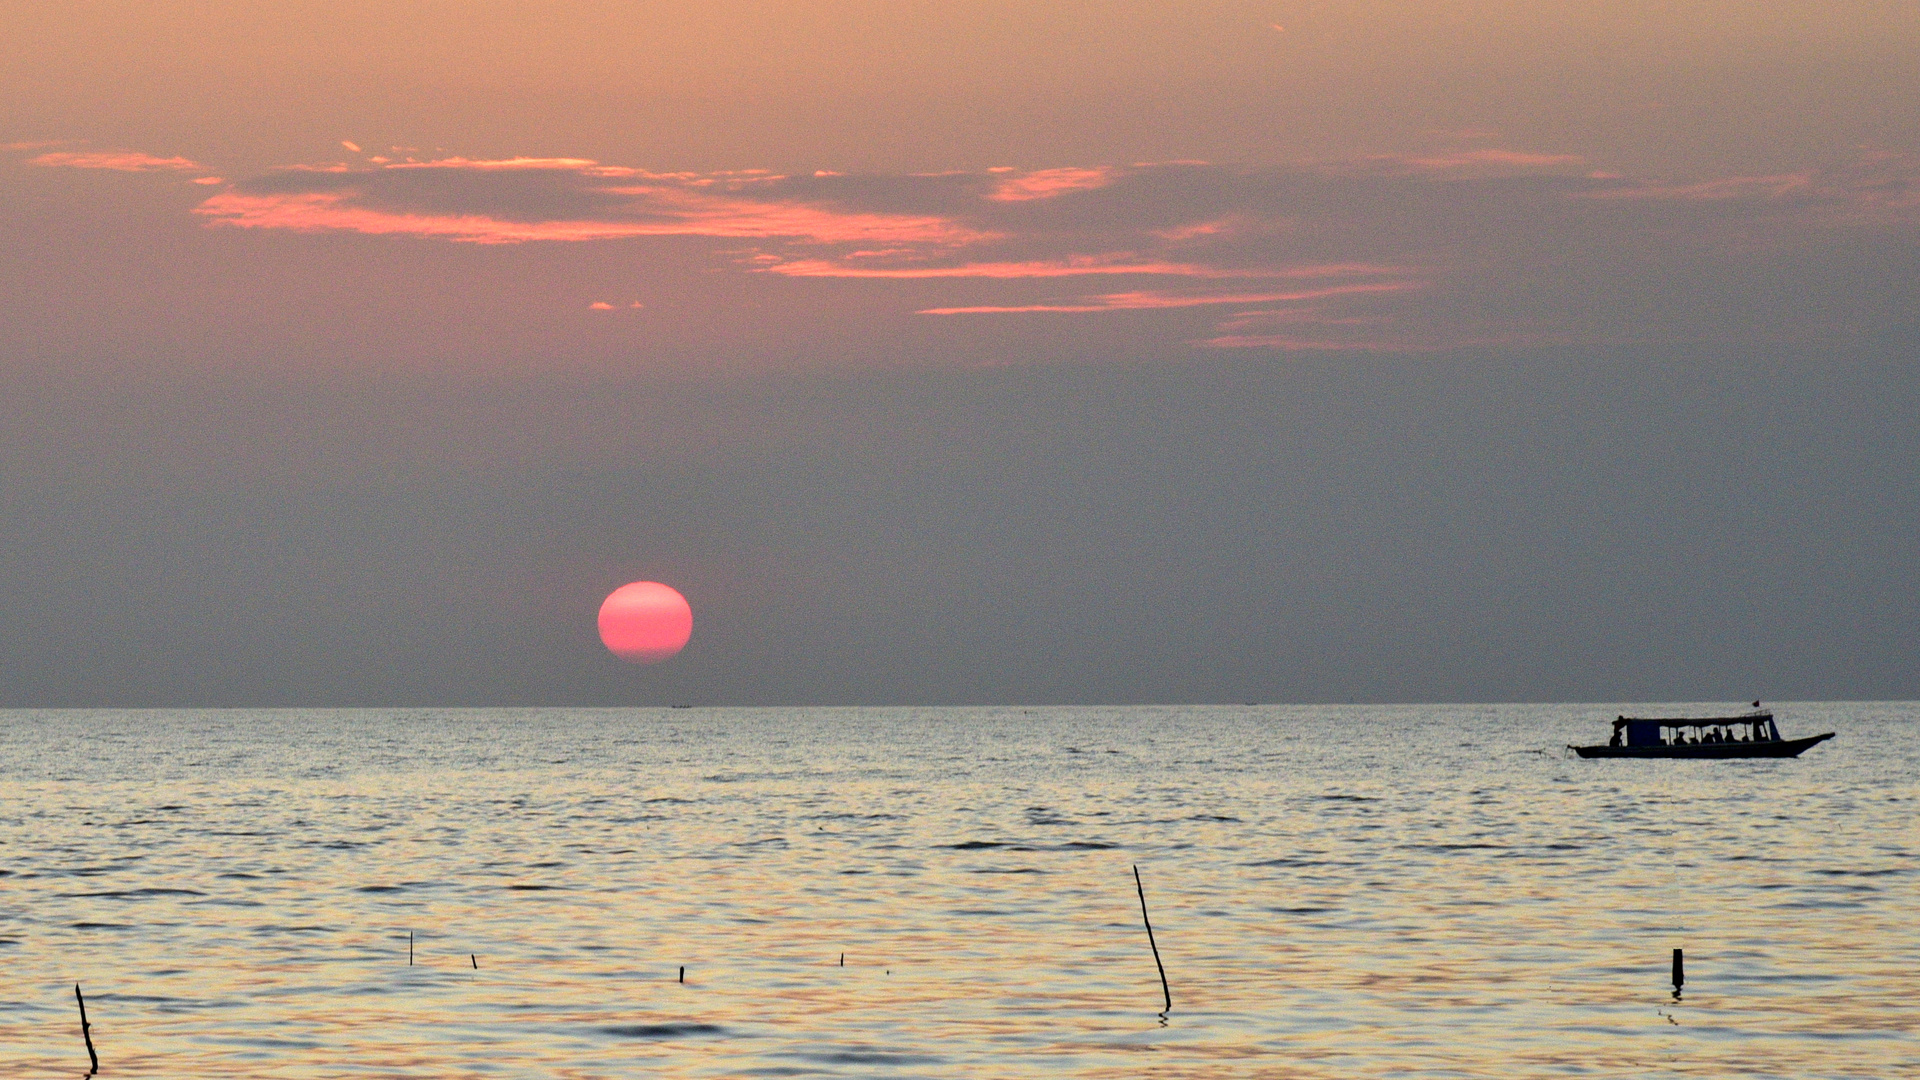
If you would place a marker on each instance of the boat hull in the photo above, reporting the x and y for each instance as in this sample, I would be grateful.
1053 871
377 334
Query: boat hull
1783 748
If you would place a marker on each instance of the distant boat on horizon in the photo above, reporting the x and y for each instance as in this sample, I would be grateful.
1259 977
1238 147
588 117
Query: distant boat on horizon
1712 737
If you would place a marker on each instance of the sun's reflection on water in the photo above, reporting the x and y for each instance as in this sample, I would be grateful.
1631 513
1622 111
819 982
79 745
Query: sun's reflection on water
236 892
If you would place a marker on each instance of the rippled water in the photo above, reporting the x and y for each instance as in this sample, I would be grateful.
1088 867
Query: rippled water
1337 892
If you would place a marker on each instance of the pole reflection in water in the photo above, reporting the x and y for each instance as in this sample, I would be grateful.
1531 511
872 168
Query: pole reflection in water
1355 892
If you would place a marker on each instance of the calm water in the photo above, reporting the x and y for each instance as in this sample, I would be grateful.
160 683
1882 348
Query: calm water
1337 891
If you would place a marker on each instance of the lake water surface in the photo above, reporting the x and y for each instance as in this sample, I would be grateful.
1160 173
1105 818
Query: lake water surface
1353 891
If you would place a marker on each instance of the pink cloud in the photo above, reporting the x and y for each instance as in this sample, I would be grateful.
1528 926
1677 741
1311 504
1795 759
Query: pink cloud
516 164
1083 266
1877 182
1260 318
1463 163
659 211
1315 256
1050 183
1288 343
1516 158
698 213
1437 342
1201 230
1732 187
311 212
118 161
1151 301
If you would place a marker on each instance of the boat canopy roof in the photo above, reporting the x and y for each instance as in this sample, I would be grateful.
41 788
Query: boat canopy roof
1761 717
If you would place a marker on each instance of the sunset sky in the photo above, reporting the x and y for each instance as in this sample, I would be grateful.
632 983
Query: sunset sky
960 352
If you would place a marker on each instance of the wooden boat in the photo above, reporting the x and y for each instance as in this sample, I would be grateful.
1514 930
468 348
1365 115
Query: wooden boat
1749 735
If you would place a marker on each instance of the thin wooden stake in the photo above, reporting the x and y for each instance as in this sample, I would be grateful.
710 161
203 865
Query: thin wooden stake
843 959
1167 993
476 961
409 948
683 974
86 1030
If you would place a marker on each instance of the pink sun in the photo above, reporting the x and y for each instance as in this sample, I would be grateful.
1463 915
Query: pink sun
645 622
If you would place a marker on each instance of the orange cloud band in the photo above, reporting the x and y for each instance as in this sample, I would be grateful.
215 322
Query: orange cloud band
1074 267
1284 343
118 161
1149 301
1051 183
669 214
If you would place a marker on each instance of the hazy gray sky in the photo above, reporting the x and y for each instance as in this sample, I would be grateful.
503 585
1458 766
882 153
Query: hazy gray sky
960 352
